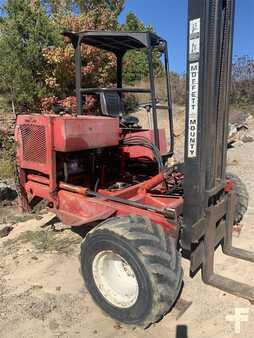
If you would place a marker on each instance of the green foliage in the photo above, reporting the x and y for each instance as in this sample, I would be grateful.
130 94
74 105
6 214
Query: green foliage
6 145
135 62
113 5
81 6
6 168
31 71
25 31
135 66
7 151
57 6
242 89
130 102
133 23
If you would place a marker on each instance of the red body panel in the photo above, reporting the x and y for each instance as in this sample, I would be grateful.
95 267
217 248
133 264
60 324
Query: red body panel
39 140
85 132
75 209
68 133
33 136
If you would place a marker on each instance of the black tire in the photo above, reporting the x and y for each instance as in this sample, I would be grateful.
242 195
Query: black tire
242 197
150 252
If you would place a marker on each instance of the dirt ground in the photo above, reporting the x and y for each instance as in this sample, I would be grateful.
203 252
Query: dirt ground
42 292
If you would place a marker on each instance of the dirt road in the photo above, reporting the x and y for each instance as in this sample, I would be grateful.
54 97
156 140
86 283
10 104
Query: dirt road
42 293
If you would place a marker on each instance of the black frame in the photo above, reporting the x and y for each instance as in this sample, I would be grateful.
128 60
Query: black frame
209 211
205 172
119 43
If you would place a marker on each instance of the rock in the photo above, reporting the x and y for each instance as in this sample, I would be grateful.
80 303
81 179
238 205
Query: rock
247 138
238 117
35 258
7 193
249 119
37 287
238 144
5 230
40 308
242 126
53 325
238 134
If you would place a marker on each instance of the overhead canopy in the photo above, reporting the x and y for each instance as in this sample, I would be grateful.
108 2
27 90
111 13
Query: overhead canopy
116 42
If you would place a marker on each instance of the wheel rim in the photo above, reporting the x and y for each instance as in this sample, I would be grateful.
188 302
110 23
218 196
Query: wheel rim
115 279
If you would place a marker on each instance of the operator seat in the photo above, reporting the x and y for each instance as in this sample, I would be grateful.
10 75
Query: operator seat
111 104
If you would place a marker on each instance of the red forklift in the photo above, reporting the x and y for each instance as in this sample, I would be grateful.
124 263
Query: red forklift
108 173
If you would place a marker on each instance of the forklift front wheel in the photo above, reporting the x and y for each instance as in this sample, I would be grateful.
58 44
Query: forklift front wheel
132 269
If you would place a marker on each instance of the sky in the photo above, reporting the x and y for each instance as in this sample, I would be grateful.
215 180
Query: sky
169 19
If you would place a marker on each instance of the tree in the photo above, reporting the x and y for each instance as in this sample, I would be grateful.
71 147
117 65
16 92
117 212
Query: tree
242 89
113 5
37 69
25 31
81 6
98 67
57 6
135 62
178 86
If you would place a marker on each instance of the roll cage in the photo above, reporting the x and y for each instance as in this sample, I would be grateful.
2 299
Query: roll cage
119 43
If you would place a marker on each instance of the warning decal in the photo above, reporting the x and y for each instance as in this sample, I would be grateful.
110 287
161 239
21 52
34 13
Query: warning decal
194 43
194 54
193 109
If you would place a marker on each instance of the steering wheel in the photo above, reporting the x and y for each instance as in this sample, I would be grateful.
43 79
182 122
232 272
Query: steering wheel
129 121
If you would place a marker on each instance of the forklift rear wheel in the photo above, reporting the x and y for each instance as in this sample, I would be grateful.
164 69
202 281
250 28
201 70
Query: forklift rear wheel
242 197
132 269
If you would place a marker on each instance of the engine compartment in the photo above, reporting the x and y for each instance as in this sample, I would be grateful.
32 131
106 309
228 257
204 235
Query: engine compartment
105 168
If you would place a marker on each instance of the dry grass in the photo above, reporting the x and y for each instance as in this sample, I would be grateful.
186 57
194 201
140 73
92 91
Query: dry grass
45 241
5 113
248 108
6 169
177 87
160 87
6 140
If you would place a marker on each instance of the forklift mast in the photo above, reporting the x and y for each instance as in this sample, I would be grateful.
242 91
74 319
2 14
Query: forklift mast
209 58
209 208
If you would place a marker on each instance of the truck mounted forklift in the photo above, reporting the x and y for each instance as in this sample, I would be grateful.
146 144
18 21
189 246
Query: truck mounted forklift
108 172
